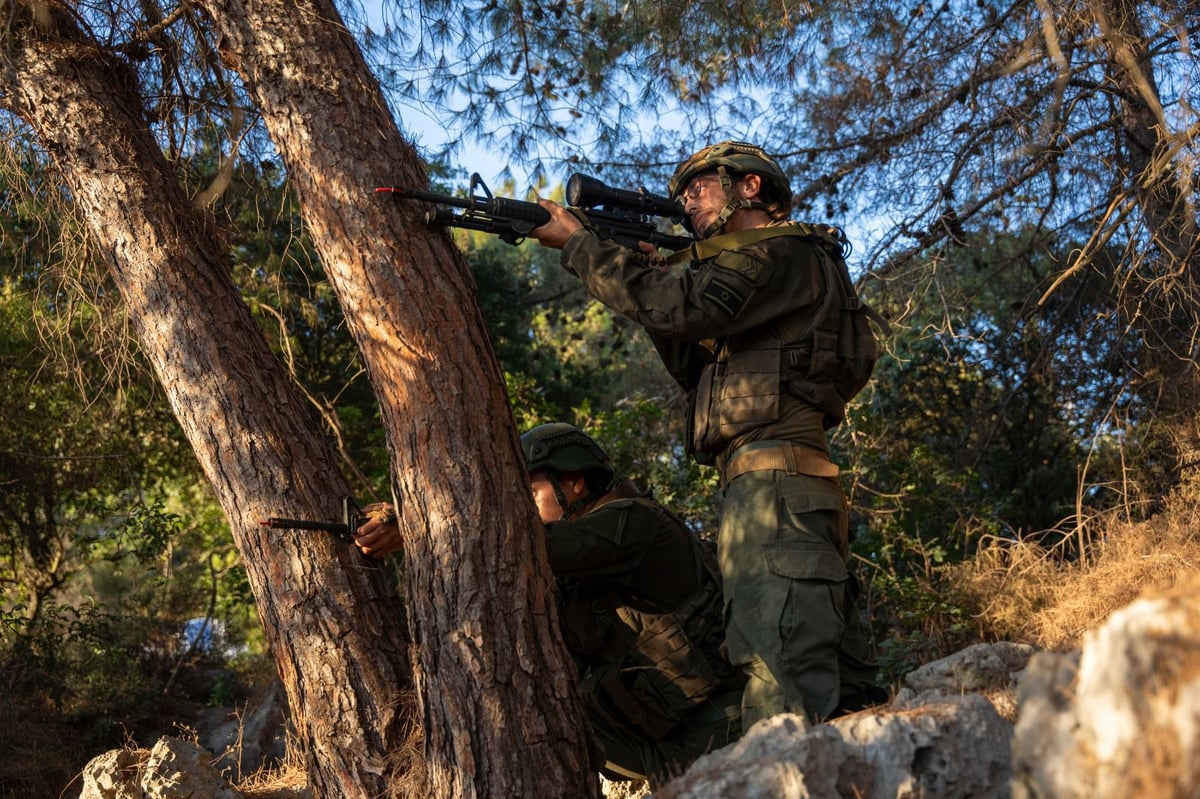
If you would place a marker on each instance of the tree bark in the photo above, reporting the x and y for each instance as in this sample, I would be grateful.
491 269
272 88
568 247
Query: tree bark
502 711
330 618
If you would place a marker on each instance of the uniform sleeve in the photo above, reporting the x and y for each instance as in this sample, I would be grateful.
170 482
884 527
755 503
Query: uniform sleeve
608 543
684 360
734 291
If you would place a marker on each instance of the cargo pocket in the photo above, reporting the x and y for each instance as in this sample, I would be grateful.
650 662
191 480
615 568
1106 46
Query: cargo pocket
813 512
811 624
804 554
806 562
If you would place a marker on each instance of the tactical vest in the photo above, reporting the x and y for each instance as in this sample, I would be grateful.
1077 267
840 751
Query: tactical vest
647 671
824 357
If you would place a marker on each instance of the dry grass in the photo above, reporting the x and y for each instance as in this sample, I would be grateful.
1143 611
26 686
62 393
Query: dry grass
1026 593
285 780
289 779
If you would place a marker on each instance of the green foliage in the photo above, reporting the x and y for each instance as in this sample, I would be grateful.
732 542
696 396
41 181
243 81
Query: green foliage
915 611
546 329
223 690
981 419
150 529
644 440
71 462
79 658
989 419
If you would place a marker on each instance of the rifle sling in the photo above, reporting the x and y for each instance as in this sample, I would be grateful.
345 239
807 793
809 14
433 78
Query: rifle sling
707 248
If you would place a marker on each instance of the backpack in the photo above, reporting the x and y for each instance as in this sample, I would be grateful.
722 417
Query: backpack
844 345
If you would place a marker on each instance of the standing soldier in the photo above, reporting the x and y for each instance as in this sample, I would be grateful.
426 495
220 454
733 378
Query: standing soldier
759 323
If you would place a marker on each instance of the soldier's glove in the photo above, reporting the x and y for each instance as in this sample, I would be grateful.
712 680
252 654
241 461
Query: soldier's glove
382 512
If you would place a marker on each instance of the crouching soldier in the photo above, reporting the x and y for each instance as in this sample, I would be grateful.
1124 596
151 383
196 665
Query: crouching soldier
640 608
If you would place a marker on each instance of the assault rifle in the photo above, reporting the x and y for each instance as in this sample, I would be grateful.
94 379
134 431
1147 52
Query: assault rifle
624 216
352 519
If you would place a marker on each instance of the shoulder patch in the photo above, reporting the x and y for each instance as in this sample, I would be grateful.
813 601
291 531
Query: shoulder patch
741 262
725 296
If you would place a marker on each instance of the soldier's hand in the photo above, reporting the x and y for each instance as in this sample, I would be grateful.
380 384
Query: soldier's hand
562 225
380 535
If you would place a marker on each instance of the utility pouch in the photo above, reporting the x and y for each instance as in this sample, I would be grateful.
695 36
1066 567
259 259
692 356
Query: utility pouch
737 393
664 680
748 394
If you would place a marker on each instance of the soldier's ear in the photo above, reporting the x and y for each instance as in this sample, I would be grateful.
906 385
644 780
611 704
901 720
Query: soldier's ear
577 481
752 186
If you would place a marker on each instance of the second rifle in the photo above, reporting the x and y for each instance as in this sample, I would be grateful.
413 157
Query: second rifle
346 529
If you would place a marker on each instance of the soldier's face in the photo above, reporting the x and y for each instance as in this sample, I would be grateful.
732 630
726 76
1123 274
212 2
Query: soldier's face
703 198
543 497
549 510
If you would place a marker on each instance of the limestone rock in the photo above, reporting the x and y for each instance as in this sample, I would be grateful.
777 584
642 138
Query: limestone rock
174 769
947 748
1121 717
978 668
113 775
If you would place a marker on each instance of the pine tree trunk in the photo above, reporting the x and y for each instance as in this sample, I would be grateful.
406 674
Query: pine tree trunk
330 618
503 716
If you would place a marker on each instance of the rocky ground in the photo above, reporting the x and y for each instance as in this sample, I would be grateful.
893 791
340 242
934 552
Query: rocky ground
1116 718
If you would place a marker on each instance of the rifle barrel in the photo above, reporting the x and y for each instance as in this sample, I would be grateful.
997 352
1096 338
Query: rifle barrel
277 523
427 196
506 207
513 219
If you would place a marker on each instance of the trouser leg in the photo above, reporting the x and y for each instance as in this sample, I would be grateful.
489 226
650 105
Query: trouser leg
712 725
781 545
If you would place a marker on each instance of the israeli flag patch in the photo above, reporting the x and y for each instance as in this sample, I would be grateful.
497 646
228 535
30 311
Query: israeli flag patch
725 296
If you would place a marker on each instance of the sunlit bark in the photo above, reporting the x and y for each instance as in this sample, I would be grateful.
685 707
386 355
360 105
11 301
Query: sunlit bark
501 710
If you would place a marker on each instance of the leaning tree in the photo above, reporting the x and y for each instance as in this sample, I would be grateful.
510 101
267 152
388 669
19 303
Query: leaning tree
105 94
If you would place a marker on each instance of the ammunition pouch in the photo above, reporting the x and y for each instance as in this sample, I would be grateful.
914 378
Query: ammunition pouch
737 392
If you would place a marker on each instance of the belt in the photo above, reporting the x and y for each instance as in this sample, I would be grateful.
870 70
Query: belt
784 457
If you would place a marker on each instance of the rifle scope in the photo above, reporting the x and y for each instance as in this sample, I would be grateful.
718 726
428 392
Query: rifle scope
584 191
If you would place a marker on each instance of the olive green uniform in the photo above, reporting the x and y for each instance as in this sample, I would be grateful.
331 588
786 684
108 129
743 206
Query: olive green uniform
640 604
730 328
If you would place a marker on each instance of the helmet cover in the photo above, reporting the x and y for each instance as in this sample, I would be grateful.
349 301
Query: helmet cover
738 157
561 448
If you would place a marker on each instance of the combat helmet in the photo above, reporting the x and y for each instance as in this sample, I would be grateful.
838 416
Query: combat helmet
559 448
730 158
